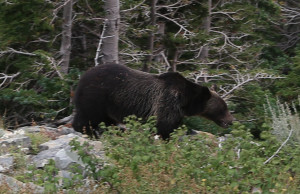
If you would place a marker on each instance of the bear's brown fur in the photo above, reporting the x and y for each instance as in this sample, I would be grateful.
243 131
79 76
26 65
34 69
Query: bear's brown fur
108 93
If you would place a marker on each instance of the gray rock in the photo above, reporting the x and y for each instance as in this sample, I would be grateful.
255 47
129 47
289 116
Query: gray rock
65 174
10 134
60 151
2 132
42 158
65 159
11 185
6 163
34 129
59 143
63 130
19 141
51 148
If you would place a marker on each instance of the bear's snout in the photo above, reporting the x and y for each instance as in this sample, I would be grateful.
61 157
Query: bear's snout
227 124
227 121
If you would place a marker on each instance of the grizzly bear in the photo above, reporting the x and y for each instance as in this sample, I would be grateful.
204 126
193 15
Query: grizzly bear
108 93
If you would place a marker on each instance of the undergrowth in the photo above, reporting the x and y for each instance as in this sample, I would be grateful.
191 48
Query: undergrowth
285 121
138 163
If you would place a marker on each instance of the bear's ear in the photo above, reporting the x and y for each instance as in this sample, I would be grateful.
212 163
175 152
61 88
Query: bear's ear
214 88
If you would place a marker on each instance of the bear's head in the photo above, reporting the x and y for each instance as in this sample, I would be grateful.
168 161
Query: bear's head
195 99
217 111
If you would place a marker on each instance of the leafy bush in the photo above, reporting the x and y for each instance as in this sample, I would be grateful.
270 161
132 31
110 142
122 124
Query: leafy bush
289 88
139 163
93 163
49 99
285 124
49 178
46 177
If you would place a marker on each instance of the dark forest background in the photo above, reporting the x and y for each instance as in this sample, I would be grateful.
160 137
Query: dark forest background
249 48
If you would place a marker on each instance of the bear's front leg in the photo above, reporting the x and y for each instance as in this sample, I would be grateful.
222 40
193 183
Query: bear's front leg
165 128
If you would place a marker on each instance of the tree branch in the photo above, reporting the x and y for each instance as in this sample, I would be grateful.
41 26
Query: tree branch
241 80
11 50
165 59
186 31
133 8
5 77
238 78
100 43
227 41
287 139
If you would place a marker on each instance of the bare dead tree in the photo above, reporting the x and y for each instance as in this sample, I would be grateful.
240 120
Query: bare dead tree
65 48
157 15
59 5
4 78
204 51
226 52
240 80
232 48
175 60
290 30
110 47
237 79
146 67
204 76
98 52
216 12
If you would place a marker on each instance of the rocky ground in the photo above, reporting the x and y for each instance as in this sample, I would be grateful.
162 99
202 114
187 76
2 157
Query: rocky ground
39 145
22 145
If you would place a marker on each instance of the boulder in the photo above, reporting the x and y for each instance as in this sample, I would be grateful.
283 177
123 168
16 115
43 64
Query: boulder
60 151
11 185
18 141
65 159
50 149
6 163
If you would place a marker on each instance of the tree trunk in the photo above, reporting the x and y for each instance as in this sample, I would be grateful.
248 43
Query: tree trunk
147 64
206 25
174 62
65 48
110 50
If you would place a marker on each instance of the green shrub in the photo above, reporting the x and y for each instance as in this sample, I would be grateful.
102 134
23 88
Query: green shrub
45 98
36 140
139 163
49 178
285 124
